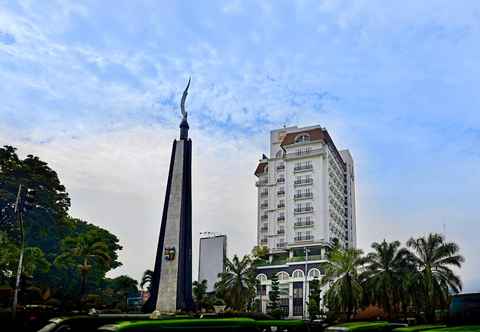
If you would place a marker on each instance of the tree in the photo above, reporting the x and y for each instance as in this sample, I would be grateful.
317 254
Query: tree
385 269
314 299
147 279
237 285
119 289
260 252
83 251
200 293
274 297
342 275
434 257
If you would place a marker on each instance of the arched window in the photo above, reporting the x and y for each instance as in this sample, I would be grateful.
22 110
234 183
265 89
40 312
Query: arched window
298 274
302 138
262 278
282 276
265 169
314 273
279 154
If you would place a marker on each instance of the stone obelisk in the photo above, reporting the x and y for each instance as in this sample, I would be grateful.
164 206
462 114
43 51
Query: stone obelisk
172 279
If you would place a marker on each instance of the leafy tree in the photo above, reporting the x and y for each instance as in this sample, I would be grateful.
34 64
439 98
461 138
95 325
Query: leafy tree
342 275
119 289
83 251
147 279
200 294
314 299
260 252
274 297
434 257
237 285
385 269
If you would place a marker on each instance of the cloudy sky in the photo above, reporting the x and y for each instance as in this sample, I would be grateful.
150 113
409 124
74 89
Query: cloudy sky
93 87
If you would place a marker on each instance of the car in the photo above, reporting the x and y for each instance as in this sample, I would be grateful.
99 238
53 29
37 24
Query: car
86 323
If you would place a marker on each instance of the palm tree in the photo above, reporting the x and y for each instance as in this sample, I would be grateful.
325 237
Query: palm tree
199 293
342 275
385 270
83 250
237 284
147 279
434 258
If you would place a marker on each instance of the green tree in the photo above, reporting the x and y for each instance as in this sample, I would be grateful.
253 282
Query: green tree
385 269
237 285
147 279
84 251
342 275
119 289
314 299
434 257
199 291
274 297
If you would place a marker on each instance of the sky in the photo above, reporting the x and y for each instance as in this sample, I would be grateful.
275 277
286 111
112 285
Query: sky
93 88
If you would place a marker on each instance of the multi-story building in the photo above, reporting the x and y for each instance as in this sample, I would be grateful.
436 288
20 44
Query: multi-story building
306 201
213 252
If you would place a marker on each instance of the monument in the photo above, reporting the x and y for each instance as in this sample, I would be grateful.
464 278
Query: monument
172 278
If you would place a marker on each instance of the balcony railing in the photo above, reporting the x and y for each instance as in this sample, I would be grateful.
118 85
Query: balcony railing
263 241
281 192
263 193
303 238
281 218
303 182
281 245
303 210
307 223
302 168
264 229
280 231
281 180
303 195
262 182
280 167
264 217
280 206
263 205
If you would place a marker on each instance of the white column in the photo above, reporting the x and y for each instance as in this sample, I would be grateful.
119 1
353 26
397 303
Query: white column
290 299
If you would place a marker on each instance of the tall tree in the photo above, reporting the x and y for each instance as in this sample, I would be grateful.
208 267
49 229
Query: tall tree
147 279
342 275
237 285
434 258
199 293
314 299
274 296
385 269
84 251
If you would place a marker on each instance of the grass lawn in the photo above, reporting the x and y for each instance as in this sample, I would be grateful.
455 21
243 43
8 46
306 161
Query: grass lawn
466 328
418 328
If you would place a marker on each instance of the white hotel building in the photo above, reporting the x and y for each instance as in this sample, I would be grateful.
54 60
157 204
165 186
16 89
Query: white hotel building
306 200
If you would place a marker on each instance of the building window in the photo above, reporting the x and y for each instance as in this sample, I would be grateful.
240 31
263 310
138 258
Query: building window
298 274
314 273
282 276
302 138
279 154
262 278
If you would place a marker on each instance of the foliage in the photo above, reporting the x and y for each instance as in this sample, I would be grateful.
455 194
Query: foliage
237 285
274 296
83 251
342 275
433 258
260 252
200 294
385 269
314 299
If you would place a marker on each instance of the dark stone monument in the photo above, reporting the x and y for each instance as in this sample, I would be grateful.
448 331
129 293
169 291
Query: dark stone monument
172 279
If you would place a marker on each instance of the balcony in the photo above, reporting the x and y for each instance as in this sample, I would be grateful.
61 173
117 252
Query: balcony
263 241
303 196
305 209
303 238
263 193
264 205
281 245
262 182
281 218
281 192
280 167
281 206
303 182
264 217
280 231
301 224
281 180
264 229
302 168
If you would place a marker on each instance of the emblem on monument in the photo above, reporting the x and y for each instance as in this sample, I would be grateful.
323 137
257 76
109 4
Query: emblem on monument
169 253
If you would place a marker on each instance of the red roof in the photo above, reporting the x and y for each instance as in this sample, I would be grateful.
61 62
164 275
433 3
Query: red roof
261 167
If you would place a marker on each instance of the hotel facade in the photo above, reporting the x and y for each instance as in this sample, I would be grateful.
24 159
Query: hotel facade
306 202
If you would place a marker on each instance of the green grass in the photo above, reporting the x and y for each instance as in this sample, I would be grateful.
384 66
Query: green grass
418 328
289 322
172 323
363 326
465 328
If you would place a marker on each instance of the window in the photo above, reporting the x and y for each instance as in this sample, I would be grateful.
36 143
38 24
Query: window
279 154
314 273
262 278
302 138
298 274
282 276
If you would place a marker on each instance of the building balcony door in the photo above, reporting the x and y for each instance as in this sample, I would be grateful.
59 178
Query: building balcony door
298 299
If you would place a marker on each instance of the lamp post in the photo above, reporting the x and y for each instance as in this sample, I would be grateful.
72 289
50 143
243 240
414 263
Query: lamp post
305 283
18 214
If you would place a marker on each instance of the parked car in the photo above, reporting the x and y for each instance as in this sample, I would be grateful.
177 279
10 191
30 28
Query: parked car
87 323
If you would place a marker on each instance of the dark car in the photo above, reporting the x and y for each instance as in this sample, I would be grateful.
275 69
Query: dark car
87 323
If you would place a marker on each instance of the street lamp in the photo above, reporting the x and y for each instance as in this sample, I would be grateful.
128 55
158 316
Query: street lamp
306 250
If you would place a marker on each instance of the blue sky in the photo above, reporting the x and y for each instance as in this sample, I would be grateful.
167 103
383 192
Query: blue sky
93 88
